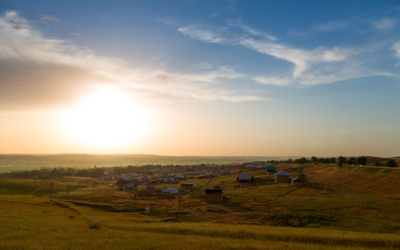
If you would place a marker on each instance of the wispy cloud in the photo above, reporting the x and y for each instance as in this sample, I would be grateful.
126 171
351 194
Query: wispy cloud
76 34
396 48
199 33
250 30
166 20
331 26
385 24
49 18
38 72
311 66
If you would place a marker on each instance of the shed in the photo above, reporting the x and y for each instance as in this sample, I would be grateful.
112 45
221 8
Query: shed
213 195
187 186
282 177
296 182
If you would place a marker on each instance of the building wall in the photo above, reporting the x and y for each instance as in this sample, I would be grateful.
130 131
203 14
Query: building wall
184 188
297 184
213 197
281 179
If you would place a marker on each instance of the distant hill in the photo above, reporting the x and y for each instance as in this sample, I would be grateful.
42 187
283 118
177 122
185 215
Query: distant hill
29 162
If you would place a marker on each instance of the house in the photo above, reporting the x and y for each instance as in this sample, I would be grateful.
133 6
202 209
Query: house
145 178
244 178
213 195
282 177
150 187
131 187
146 192
271 169
170 180
172 190
226 172
187 186
179 177
296 182
208 175
122 182
108 178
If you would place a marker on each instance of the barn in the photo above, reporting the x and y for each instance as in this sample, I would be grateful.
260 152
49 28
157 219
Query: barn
213 195
282 177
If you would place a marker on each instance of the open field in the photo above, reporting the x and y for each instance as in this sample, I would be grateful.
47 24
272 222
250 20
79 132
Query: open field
338 208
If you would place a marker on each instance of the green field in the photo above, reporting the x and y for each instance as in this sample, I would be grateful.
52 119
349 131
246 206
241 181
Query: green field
334 210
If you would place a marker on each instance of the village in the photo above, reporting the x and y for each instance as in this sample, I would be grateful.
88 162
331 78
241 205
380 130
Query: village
153 185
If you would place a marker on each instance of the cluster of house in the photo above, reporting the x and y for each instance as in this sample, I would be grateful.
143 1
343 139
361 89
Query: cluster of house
131 185
245 180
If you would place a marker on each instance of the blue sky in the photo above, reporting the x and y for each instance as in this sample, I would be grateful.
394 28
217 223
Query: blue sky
272 77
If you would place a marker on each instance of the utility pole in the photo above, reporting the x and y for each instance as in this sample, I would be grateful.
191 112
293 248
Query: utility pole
179 201
342 189
51 191
34 189
326 187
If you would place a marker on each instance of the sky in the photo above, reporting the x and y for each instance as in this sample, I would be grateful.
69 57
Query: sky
211 78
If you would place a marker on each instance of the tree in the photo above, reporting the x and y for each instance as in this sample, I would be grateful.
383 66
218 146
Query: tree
314 159
362 160
378 164
333 160
391 163
352 161
342 160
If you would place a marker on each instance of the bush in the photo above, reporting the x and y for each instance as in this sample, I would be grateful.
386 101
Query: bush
391 163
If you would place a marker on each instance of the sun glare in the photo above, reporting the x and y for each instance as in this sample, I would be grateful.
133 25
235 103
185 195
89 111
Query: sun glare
107 118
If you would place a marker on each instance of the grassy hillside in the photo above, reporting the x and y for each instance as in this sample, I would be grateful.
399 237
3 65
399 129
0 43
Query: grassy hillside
324 214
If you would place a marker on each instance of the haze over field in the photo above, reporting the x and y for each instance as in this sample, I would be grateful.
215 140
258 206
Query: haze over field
191 78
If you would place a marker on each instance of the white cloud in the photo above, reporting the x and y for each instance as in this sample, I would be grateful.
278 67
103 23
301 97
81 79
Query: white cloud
396 48
385 24
37 72
196 32
275 80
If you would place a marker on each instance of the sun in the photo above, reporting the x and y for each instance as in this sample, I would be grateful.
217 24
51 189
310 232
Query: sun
108 118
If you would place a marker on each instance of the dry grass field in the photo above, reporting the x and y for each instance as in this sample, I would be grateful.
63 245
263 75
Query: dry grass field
338 208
